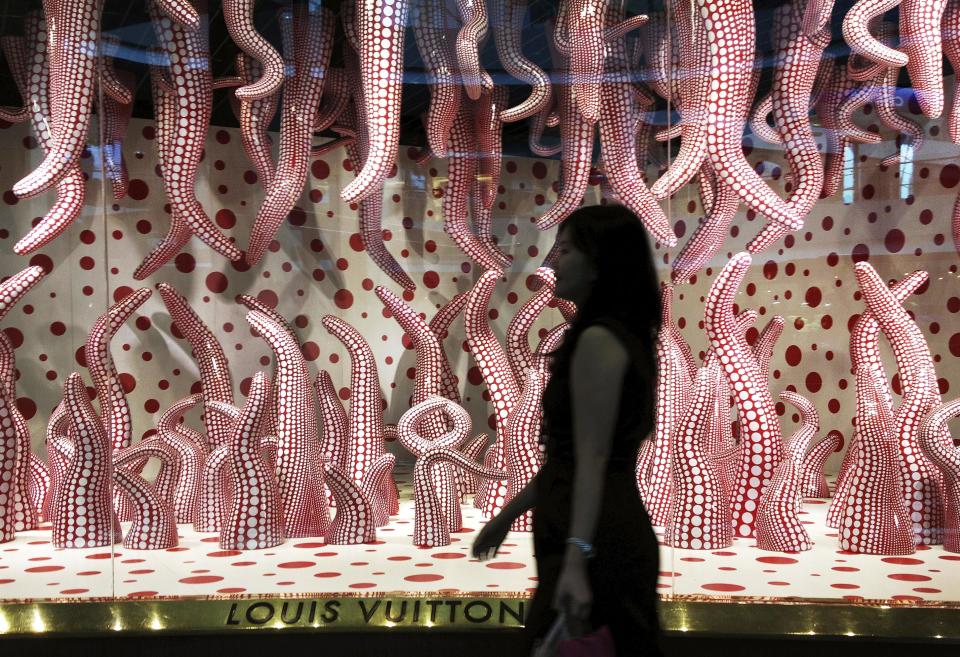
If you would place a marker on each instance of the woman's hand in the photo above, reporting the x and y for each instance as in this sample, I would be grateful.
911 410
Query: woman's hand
574 596
487 543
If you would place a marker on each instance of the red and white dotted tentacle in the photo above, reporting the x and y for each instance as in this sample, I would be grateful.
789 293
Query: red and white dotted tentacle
16 50
475 79
874 519
129 459
854 98
759 120
618 141
15 287
254 118
380 26
886 105
809 425
366 403
298 460
813 483
518 331
38 485
778 526
354 522
57 444
312 45
181 11
699 515
9 450
938 446
709 236
950 35
920 480
760 437
731 27
333 103
440 324
210 358
255 520
187 52
585 25
378 476
836 142
238 16
483 219
921 42
192 454
856 32
537 126
336 431
216 487
436 45
523 455
763 349
473 449
488 127
153 525
116 119
86 486
507 21
114 408
550 343
501 384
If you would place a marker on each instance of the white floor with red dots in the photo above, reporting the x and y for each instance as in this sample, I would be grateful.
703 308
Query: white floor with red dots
31 569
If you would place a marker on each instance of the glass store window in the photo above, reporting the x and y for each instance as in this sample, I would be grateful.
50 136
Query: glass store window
252 257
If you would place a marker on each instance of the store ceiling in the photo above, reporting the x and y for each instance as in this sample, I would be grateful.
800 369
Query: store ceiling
130 23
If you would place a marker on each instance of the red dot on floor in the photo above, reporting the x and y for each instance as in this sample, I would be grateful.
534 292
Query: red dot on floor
201 579
426 577
233 589
719 586
448 555
43 569
845 586
73 591
505 565
363 585
142 594
327 575
903 561
909 577
297 564
778 560
309 545
224 553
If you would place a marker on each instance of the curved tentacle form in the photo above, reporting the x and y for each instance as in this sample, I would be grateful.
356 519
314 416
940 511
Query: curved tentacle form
489 130
921 42
255 520
313 30
299 475
217 486
812 481
699 516
187 52
507 21
74 75
483 216
366 404
585 25
760 435
255 117
382 76
950 35
429 526
874 518
472 449
435 43
192 454
538 124
885 101
576 143
523 456
114 408
618 141
377 477
939 448
334 448
128 459
501 384
865 354
116 119
238 16
550 343
9 451
440 324
461 173
709 236
153 525
839 88
475 79
38 485
732 27
412 434
763 349
354 522
430 356
16 51
695 58
856 32
208 353
85 489
853 99
759 123
921 484
518 331
59 453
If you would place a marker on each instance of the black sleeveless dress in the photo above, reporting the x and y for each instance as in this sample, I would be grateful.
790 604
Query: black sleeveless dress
623 572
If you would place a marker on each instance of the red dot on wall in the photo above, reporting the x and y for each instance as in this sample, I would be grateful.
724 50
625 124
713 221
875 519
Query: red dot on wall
343 299
431 279
216 282
138 189
225 218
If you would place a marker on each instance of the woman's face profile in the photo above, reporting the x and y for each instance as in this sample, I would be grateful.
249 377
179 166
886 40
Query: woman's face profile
575 271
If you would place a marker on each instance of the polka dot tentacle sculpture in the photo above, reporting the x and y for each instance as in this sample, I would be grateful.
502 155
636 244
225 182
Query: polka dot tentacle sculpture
476 80
503 387
506 19
334 448
436 46
523 455
170 466
440 324
520 355
377 477
30 66
86 486
313 33
380 33
874 519
950 34
938 446
255 520
57 445
191 452
211 360
8 465
921 484
856 32
154 526
74 45
38 486
216 487
812 480
921 42
254 117
760 438
585 22
412 434
299 473
354 522
731 26
238 16
365 434
778 522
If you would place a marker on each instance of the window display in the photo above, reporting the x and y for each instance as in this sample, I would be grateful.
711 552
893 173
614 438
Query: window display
326 394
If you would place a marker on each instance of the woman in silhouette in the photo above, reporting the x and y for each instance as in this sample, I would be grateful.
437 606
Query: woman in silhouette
596 552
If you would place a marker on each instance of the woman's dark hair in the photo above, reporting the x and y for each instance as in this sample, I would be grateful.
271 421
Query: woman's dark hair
626 289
